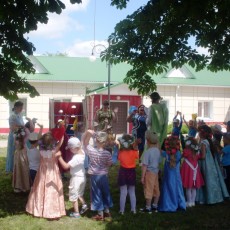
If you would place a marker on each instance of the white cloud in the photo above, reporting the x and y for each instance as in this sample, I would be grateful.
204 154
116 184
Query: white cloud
202 50
59 25
85 48
75 7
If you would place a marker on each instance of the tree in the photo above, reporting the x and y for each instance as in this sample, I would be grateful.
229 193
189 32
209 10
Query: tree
156 36
18 17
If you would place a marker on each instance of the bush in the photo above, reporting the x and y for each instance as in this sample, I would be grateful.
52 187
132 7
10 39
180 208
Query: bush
184 129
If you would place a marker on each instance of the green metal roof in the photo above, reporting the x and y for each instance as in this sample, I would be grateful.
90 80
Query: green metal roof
81 69
78 69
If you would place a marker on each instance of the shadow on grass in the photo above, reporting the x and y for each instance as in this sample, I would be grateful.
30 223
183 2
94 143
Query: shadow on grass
199 217
10 203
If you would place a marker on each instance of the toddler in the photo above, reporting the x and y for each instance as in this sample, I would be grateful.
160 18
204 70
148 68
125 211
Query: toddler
150 169
190 170
172 194
78 178
46 197
214 190
226 159
177 125
33 153
128 154
192 127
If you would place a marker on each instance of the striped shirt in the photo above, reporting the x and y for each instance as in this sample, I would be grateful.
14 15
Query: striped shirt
99 160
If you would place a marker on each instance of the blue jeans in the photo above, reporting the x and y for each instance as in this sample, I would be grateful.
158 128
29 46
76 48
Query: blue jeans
100 194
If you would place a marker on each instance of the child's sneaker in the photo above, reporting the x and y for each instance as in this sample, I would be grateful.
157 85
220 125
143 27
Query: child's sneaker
74 215
154 208
146 210
84 208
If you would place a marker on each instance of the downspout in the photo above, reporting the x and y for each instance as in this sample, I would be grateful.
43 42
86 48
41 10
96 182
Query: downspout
176 97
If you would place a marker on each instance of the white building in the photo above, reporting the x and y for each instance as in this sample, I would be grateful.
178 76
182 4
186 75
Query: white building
69 79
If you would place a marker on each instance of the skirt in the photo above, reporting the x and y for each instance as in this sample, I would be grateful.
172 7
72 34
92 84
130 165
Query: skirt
127 176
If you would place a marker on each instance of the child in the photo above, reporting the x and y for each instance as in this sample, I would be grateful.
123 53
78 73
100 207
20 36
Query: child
33 153
112 145
172 195
214 190
150 169
190 170
99 162
226 159
21 179
192 127
217 133
78 178
128 154
177 125
46 196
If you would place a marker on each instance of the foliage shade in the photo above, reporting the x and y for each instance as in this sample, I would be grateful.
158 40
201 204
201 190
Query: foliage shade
17 18
156 35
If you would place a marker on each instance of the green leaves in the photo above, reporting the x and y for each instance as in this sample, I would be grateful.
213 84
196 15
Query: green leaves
16 19
157 35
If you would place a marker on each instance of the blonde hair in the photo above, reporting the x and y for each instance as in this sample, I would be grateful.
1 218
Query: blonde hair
151 137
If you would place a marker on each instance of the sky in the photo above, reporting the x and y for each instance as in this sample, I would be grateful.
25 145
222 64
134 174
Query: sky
78 26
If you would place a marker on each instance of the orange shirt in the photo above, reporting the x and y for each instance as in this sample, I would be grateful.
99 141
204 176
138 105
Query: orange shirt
128 158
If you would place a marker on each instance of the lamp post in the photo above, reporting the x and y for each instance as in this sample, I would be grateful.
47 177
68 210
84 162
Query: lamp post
98 49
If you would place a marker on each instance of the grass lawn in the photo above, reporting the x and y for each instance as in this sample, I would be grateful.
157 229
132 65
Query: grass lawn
13 216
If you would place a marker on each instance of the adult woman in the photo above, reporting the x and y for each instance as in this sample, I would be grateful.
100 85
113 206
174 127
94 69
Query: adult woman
105 116
138 118
15 121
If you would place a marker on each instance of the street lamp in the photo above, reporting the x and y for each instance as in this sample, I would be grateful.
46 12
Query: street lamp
98 49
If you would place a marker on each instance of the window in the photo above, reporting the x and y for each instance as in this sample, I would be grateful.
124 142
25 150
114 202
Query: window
204 109
24 101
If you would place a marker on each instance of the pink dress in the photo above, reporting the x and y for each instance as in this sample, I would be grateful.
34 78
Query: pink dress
46 196
190 170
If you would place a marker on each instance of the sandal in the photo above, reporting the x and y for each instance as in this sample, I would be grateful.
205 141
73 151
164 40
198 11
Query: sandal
98 217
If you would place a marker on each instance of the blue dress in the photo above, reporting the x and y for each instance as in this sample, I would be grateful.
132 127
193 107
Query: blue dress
172 194
15 119
138 130
215 189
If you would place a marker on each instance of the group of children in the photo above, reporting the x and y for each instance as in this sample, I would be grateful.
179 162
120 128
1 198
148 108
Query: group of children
200 174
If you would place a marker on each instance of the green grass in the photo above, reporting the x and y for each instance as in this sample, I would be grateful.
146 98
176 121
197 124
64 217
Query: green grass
13 216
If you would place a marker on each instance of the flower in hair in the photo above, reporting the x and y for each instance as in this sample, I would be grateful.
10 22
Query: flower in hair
172 145
126 141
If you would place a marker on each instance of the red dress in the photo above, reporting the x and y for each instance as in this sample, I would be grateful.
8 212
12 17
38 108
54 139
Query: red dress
190 170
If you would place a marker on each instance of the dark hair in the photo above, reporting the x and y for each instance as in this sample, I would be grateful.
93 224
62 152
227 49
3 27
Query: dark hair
155 96
105 102
27 125
17 104
140 106
206 132
33 142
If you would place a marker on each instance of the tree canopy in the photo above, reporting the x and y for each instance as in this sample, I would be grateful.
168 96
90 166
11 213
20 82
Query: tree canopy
18 17
157 35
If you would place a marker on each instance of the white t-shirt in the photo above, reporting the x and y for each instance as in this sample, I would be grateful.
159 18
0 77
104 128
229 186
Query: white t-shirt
77 165
33 158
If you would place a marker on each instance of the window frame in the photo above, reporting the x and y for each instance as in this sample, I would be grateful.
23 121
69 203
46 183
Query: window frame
203 112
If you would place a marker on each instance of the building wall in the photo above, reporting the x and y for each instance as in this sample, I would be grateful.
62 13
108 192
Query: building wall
38 107
182 98
186 98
